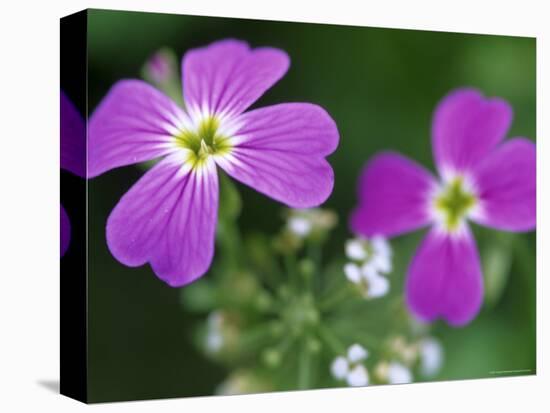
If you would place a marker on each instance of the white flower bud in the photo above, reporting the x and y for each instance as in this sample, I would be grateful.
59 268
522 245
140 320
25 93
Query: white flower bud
340 368
355 250
431 357
356 353
358 376
299 226
398 373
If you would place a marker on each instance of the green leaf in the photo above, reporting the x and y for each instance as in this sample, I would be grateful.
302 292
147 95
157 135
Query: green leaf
230 199
201 296
497 260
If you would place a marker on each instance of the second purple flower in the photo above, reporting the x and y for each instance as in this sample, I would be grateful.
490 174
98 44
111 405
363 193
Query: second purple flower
482 179
168 218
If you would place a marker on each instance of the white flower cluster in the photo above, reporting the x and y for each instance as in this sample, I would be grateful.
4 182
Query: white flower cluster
393 372
426 353
304 222
243 381
351 368
214 336
431 356
369 260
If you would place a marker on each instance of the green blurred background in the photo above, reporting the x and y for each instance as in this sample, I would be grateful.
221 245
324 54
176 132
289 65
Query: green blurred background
381 86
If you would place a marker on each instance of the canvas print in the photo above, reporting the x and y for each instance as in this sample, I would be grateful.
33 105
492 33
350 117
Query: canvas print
254 206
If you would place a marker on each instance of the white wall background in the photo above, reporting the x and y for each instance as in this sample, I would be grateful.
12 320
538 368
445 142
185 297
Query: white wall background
29 193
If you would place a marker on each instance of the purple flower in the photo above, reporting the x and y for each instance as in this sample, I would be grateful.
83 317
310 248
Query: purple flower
158 67
482 179
72 156
168 218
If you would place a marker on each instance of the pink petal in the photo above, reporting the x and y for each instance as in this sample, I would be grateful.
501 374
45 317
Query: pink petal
134 123
65 230
227 76
506 182
466 127
168 219
393 196
72 138
280 151
444 279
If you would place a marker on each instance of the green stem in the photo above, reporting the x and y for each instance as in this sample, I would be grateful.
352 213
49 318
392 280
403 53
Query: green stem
254 340
525 259
314 254
368 341
230 243
343 294
272 276
304 367
331 340
292 270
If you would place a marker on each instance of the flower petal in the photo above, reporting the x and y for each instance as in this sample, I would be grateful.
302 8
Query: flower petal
444 278
355 249
358 376
398 373
466 127
72 138
65 230
280 151
134 123
339 368
226 77
168 218
300 226
431 356
393 197
506 185
356 353
379 286
352 272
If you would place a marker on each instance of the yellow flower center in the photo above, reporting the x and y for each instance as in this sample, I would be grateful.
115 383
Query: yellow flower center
454 202
204 141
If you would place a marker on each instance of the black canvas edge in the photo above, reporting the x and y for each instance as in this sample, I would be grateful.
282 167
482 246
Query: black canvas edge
73 191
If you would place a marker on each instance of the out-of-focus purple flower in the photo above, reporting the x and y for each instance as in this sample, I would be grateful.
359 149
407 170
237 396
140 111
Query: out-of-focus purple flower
158 67
482 179
168 218
72 156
